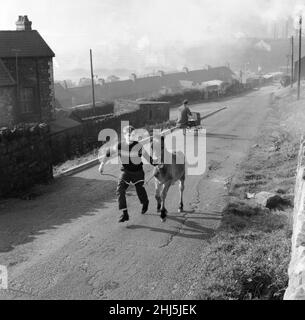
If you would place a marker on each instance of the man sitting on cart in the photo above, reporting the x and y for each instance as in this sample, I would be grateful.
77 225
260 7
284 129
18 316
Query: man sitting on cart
184 114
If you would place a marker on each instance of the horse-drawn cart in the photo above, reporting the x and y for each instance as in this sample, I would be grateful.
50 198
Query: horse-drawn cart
194 122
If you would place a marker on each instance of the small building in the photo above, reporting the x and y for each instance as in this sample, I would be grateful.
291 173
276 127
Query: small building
154 111
26 76
267 78
151 112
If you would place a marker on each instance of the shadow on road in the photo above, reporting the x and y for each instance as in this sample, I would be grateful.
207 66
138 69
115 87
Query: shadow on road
62 202
187 226
224 136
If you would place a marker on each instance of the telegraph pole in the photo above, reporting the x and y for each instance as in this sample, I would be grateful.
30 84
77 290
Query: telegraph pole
292 61
92 80
300 56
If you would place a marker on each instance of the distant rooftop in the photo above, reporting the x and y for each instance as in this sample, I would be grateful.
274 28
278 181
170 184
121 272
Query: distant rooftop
151 102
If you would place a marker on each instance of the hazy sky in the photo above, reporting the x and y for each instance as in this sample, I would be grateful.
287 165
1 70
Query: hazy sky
135 34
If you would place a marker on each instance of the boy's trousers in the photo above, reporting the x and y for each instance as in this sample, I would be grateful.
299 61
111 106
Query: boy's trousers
137 178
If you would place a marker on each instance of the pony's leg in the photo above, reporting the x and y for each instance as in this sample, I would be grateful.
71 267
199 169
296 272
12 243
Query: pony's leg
158 187
163 197
181 188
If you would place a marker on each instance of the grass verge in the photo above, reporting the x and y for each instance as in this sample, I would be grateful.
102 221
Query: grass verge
249 256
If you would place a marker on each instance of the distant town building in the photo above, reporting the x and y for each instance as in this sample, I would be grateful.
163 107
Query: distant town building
113 78
101 81
141 87
84 82
209 87
26 76
67 83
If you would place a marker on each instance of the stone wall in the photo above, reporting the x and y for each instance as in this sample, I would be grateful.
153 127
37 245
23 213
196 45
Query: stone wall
81 140
25 158
78 141
296 288
87 111
93 127
70 143
7 103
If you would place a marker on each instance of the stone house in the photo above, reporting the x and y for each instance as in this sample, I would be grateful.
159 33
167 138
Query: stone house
7 96
26 76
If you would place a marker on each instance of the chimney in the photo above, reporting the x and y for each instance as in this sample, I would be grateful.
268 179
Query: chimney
101 81
161 73
23 24
133 77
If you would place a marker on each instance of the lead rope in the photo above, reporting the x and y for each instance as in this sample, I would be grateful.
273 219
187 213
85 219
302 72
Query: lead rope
130 183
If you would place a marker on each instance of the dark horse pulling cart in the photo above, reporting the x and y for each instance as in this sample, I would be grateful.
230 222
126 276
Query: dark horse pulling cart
195 120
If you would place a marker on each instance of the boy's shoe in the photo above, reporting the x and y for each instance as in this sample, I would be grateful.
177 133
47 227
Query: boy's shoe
145 207
124 217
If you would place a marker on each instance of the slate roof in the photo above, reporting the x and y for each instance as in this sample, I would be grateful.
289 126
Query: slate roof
172 79
28 43
151 103
219 73
5 76
146 86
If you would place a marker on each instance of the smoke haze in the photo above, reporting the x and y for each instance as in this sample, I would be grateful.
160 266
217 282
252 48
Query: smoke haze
143 35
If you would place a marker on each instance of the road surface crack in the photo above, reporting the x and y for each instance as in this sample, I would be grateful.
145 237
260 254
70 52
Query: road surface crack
178 230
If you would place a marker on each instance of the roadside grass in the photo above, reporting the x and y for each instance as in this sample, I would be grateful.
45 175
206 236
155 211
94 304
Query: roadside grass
248 264
248 258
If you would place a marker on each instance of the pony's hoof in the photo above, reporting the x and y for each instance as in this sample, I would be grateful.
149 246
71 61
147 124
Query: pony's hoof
181 210
163 215
163 220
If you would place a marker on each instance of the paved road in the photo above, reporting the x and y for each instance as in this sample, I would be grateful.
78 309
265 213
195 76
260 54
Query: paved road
67 244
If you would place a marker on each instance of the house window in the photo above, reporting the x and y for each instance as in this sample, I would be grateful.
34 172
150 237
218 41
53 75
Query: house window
27 101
